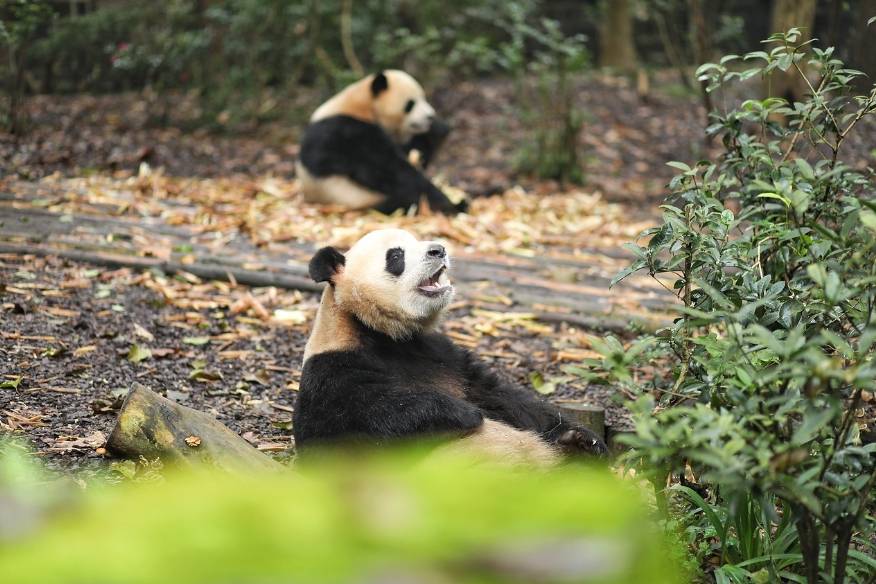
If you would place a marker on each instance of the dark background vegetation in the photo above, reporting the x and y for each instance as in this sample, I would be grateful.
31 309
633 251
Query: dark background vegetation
257 67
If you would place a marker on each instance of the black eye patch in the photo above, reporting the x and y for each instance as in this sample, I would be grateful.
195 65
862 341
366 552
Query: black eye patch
409 106
395 261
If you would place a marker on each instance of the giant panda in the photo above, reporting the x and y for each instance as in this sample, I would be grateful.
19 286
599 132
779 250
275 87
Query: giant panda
376 370
355 149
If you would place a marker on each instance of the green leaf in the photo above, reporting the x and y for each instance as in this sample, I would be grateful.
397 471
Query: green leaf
817 273
832 286
53 352
860 556
11 383
868 218
633 268
196 340
138 353
540 385
776 196
708 511
679 165
756 55
813 421
839 343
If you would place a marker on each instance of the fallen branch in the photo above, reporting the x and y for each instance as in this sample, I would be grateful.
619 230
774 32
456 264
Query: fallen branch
253 278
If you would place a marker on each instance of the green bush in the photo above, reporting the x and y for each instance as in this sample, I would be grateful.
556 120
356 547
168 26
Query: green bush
21 23
771 250
546 99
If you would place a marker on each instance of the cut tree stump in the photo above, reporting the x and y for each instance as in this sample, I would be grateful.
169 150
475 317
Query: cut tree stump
151 426
591 417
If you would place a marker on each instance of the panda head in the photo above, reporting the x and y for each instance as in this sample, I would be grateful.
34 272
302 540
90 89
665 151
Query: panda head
389 280
399 105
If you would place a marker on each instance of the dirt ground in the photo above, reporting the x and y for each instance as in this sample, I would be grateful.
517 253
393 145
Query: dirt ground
75 338
626 140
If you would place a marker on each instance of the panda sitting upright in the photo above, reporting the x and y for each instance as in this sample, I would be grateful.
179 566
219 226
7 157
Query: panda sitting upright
354 151
375 369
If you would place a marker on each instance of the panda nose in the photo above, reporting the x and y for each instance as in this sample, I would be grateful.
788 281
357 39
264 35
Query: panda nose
436 250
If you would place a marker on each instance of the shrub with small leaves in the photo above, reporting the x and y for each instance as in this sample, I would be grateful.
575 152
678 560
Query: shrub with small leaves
771 250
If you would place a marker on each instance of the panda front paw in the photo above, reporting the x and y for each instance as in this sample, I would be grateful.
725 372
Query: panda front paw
471 420
461 207
580 440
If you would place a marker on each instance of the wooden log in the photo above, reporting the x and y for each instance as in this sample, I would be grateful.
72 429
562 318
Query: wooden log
591 417
152 426
241 276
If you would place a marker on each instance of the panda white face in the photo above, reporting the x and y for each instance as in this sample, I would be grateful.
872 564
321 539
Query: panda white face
400 106
418 119
396 274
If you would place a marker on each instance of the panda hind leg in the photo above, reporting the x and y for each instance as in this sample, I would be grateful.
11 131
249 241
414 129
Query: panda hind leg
495 442
336 190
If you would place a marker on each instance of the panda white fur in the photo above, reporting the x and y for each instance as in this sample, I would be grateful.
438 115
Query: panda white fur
375 369
355 150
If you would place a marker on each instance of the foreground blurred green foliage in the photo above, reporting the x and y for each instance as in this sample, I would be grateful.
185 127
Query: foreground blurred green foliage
343 520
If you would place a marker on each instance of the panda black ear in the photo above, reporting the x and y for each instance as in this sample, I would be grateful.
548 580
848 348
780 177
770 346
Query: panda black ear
379 83
326 264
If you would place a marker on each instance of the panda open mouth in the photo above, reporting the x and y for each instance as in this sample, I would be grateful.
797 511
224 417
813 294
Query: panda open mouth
431 286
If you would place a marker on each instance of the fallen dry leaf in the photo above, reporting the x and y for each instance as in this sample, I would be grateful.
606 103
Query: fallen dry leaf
81 351
143 333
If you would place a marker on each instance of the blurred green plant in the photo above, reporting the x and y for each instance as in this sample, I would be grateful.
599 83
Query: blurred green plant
21 22
770 249
351 519
246 60
546 90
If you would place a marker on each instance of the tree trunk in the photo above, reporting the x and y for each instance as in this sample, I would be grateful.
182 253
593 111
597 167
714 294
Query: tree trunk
863 53
616 47
701 40
788 14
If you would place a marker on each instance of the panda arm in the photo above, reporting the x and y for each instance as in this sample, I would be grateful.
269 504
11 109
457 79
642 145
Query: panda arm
518 407
398 412
429 142
509 403
385 168
343 397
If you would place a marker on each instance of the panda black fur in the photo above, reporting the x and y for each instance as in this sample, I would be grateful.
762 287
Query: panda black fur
428 143
354 151
375 370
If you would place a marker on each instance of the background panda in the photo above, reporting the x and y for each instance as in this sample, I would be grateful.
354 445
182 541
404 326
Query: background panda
354 151
375 369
